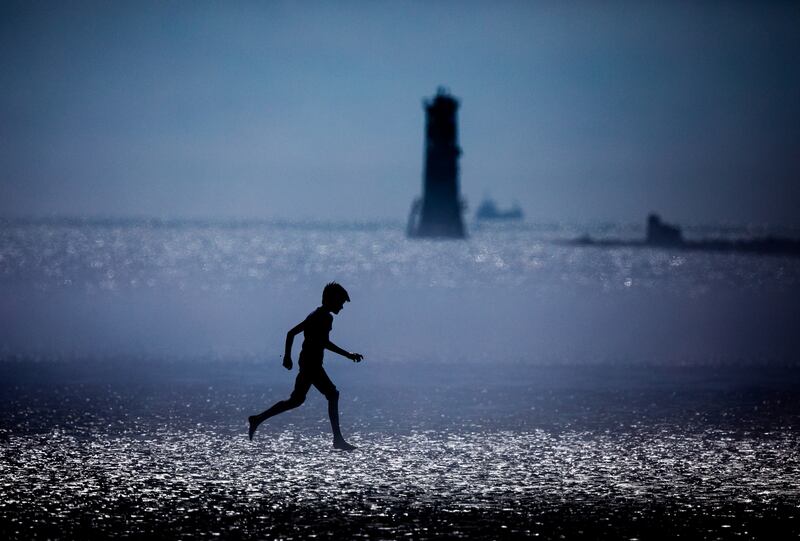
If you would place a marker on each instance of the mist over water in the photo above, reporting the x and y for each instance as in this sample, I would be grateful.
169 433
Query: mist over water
508 294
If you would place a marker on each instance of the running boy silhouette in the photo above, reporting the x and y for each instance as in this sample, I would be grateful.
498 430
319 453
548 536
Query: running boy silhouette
315 328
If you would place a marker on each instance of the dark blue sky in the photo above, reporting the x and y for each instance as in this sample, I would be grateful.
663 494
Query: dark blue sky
313 110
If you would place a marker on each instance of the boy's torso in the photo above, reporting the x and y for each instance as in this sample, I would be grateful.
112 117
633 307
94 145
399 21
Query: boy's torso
316 330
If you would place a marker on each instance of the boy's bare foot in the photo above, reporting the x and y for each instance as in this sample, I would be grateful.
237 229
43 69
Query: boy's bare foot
253 425
343 445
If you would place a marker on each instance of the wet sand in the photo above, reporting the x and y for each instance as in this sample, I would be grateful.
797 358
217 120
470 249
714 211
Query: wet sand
133 449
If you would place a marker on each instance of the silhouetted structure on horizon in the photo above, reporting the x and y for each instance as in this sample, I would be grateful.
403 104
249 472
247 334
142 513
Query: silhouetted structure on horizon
488 210
662 234
438 212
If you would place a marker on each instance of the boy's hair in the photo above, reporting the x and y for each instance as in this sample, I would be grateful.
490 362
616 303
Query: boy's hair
333 292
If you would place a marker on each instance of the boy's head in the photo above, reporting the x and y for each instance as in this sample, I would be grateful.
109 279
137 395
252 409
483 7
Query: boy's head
334 296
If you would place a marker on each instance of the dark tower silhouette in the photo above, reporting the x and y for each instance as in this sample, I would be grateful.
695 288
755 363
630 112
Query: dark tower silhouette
438 212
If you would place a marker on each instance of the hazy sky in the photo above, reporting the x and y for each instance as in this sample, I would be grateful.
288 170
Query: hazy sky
313 110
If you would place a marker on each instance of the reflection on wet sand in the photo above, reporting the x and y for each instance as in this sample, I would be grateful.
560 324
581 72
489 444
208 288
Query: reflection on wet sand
174 460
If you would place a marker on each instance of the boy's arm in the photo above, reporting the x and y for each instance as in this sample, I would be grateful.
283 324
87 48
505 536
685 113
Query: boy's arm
355 357
287 354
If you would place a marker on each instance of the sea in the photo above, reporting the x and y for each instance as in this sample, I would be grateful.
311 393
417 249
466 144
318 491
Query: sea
514 384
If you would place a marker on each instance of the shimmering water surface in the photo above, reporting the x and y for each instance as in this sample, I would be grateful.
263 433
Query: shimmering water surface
705 453
212 290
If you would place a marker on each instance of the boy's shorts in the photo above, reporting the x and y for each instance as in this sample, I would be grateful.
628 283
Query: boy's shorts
313 375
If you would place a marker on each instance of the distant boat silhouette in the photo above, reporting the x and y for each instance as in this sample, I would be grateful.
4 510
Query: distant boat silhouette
488 210
664 235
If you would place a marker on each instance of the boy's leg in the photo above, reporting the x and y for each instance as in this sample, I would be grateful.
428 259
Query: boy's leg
301 386
324 385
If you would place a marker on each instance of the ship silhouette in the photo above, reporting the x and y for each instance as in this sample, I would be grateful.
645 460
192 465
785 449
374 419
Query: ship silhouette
488 210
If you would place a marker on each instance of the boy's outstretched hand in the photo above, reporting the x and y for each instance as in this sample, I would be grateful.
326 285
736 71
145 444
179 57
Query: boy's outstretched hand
355 357
287 362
